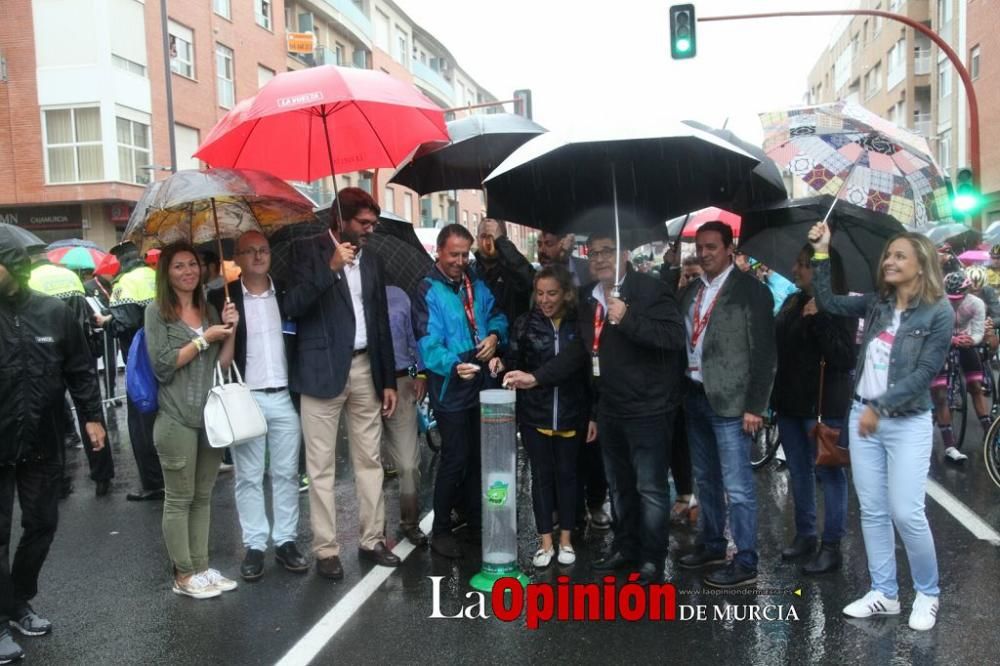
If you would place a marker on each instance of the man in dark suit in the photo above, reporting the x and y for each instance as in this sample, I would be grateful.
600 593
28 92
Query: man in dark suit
731 366
264 338
344 361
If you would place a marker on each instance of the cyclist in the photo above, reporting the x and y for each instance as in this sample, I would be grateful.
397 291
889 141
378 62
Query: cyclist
970 325
993 272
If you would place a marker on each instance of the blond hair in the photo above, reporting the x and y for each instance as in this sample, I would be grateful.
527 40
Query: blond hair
929 277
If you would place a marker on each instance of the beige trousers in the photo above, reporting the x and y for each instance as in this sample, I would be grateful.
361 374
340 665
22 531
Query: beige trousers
402 446
320 419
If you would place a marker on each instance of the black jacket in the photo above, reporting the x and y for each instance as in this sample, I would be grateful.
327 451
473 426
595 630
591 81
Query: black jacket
320 302
561 401
641 358
509 276
217 297
802 342
44 353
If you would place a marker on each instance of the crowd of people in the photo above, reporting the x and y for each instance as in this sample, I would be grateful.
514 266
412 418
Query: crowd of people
624 380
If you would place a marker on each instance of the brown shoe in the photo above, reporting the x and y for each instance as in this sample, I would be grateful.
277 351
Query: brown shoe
330 567
414 534
380 555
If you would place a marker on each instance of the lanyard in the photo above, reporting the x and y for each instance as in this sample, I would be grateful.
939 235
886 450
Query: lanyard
699 324
598 327
469 312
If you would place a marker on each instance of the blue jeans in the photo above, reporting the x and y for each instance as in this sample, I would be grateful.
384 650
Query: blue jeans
281 447
636 454
890 477
720 459
800 455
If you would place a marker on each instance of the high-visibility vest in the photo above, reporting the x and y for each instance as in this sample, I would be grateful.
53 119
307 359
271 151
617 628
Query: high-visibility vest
137 286
57 281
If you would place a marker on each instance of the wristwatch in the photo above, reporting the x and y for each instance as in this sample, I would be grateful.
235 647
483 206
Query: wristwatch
200 343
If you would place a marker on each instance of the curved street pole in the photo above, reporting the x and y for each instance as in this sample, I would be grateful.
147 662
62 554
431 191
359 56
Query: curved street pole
963 73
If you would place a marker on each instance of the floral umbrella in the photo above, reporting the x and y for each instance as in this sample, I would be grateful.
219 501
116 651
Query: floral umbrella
844 150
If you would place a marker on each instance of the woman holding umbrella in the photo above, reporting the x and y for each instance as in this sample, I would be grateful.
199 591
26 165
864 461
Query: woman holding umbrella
185 338
908 328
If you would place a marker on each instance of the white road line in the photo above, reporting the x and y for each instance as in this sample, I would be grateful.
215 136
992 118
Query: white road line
316 639
963 514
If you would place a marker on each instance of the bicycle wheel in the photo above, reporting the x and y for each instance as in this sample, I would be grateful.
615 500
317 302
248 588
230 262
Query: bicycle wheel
958 404
765 444
991 452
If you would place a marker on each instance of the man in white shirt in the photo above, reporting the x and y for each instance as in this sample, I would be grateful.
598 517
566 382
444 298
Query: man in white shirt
262 358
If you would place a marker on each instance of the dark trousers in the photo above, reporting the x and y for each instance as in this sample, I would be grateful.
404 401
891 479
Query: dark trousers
37 486
458 483
636 451
591 481
680 456
140 434
553 477
102 465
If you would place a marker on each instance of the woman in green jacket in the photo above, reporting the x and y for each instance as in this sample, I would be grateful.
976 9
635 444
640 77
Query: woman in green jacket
185 338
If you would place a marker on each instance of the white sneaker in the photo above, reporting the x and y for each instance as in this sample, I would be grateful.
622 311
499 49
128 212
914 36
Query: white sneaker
221 583
873 603
924 613
566 555
196 587
543 558
954 455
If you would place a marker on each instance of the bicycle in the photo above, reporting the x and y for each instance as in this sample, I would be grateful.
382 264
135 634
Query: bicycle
957 397
765 442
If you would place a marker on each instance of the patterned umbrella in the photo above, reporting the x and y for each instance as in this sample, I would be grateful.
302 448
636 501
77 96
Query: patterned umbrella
77 258
846 151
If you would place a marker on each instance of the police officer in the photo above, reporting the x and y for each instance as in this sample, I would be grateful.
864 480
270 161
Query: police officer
40 336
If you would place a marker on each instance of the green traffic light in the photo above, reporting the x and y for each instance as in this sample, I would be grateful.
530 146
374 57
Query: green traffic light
965 203
683 45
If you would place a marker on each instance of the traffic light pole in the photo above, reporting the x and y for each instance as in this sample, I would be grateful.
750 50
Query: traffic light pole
963 73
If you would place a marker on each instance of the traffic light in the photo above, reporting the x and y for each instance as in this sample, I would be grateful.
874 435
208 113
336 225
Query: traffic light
683 44
523 105
966 200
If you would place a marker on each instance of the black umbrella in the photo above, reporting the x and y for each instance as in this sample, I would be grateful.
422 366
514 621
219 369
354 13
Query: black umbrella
283 246
767 185
479 143
394 225
13 236
776 234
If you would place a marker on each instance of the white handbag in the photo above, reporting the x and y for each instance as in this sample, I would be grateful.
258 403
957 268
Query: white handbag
232 416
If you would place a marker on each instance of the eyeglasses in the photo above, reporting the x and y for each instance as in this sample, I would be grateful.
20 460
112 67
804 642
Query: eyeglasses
606 253
256 251
367 224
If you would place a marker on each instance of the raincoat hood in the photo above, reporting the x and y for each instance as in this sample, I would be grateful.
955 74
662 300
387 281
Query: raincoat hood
17 263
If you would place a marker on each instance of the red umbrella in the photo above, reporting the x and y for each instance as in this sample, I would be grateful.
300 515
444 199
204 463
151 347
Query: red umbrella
693 221
153 257
108 266
315 122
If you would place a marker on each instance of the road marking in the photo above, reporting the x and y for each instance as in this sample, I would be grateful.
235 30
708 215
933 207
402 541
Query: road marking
316 639
963 514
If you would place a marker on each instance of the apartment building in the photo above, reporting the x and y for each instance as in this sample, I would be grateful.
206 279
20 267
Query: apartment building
898 73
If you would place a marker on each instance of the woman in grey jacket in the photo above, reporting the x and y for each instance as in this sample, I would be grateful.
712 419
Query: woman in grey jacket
908 327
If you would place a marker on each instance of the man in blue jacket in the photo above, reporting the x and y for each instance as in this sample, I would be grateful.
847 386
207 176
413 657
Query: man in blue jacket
459 329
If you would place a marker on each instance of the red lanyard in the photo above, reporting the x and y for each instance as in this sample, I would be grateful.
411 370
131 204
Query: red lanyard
598 327
699 324
469 312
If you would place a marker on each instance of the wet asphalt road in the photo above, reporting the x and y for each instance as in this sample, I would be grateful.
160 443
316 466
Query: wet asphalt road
106 586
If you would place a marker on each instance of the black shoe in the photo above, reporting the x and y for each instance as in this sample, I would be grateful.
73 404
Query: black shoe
30 623
800 546
288 556
414 534
102 487
65 488
732 575
73 441
9 649
144 495
650 574
253 565
827 559
380 555
701 558
330 567
599 518
444 544
612 561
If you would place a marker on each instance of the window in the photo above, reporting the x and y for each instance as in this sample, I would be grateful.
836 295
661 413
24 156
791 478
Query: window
262 13
224 76
944 80
365 182
475 219
894 5
945 11
73 147
974 62
402 47
896 64
340 53
465 218
187 141
389 200
128 65
877 22
181 50
222 8
264 74
407 206
133 151
381 31
944 150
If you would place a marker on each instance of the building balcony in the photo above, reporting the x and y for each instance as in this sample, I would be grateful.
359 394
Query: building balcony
921 124
432 80
352 18
326 56
922 62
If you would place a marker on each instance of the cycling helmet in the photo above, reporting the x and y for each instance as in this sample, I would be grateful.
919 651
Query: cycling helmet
995 251
977 277
956 285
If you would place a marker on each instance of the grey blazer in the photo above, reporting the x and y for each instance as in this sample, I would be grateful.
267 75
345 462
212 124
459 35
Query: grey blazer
739 359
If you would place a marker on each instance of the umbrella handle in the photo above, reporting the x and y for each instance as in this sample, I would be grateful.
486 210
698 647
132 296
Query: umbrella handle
618 241
218 242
